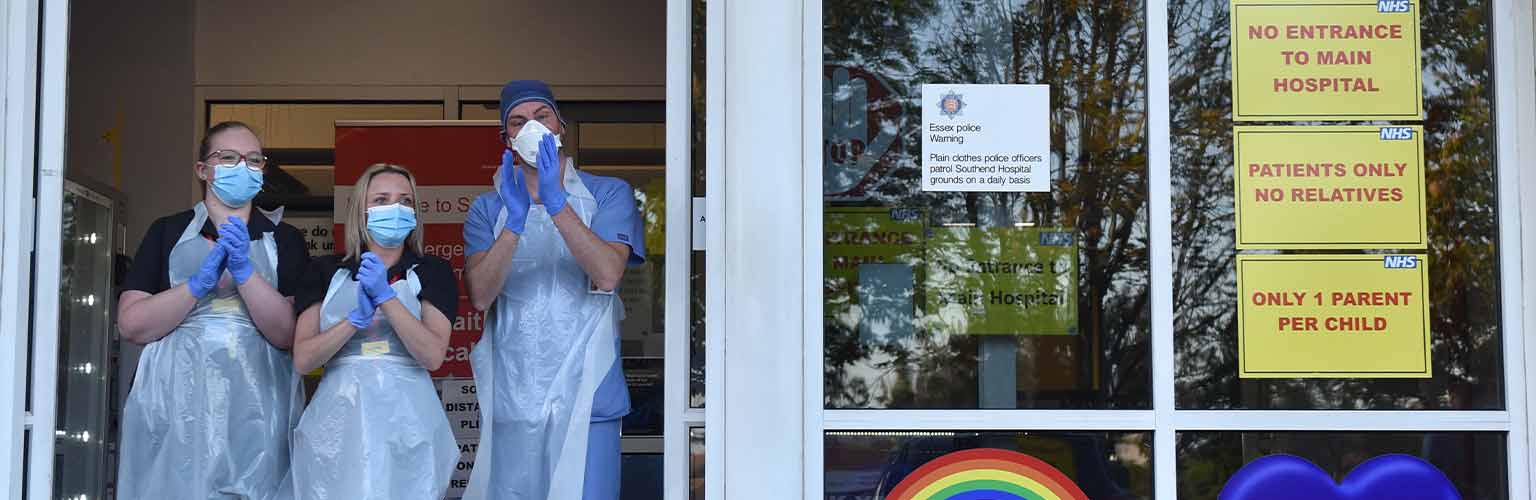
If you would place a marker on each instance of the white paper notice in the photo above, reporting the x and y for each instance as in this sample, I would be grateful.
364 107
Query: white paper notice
987 138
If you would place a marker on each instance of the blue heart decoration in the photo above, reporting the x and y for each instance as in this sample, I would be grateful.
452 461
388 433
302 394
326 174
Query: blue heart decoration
1387 477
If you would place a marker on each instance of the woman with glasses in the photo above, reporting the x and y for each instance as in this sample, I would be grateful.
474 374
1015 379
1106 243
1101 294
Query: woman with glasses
210 296
377 319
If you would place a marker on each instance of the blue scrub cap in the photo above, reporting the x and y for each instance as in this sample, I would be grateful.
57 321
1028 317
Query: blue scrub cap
520 91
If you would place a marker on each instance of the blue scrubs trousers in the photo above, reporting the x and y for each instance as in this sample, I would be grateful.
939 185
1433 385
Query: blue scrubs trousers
603 454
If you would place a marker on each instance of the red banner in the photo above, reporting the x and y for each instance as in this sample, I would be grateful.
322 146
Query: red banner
453 163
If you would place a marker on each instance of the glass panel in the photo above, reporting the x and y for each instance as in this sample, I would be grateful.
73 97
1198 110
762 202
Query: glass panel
696 463
86 361
641 476
1105 465
1463 225
895 254
641 338
318 179
1474 462
696 162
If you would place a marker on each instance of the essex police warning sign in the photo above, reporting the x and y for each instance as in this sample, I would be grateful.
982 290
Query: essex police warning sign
985 138
1335 187
1333 316
1325 60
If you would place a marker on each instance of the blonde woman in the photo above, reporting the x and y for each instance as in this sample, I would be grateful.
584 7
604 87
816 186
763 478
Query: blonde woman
377 319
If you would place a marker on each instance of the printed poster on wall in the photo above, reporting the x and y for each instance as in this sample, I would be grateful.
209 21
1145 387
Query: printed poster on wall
1333 60
1333 316
1333 187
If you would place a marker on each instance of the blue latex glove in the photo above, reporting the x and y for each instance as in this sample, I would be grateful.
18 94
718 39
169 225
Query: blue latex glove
208 274
513 194
373 279
236 240
362 315
551 190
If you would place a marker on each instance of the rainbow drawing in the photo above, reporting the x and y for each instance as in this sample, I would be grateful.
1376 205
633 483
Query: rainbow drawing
986 474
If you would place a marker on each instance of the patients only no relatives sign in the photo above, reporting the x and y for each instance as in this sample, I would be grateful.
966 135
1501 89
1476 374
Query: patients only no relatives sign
986 138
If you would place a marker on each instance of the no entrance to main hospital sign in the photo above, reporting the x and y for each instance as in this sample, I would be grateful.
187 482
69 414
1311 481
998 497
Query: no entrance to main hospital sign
1333 60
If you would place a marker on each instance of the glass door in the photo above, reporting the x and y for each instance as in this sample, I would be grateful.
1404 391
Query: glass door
1080 337
87 359
685 218
985 321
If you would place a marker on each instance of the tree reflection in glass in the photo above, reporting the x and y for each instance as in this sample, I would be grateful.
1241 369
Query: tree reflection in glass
896 256
1463 227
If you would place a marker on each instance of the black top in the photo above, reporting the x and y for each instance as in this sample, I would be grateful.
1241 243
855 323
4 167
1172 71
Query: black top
149 270
438 285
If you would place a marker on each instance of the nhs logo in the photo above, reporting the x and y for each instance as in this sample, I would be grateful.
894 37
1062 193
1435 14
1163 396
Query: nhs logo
1396 133
1392 6
1056 239
905 214
1400 262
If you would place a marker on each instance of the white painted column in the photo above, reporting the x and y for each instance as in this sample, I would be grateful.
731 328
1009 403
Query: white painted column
1515 119
761 246
1516 112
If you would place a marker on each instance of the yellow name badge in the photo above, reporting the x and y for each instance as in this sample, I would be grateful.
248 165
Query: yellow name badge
1333 187
1326 60
378 348
1333 316
225 305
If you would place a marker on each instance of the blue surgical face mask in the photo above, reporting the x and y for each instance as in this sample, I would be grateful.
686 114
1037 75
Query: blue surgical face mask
388 225
236 184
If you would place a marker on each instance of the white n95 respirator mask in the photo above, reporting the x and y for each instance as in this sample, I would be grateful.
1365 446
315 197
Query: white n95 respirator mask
526 144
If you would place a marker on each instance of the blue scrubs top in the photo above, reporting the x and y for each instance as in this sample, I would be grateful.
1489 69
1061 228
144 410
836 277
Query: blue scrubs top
617 220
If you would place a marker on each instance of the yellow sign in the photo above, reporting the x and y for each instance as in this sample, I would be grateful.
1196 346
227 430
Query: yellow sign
1297 60
1333 316
1002 281
871 257
1338 187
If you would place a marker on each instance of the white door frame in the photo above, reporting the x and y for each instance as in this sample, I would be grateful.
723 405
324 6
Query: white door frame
34 90
18 85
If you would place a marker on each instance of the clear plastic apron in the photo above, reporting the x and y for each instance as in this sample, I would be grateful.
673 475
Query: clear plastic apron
546 346
213 402
375 429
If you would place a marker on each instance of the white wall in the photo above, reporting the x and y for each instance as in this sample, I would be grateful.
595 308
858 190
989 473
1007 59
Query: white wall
458 42
130 69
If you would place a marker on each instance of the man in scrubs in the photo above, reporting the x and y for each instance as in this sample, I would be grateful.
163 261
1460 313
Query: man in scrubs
545 251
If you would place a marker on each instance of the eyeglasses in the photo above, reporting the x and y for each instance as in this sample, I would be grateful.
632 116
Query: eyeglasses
225 157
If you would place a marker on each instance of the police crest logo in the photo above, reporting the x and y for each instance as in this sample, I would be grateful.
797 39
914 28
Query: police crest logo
951 105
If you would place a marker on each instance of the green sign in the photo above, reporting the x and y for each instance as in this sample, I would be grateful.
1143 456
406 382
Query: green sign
872 255
1001 281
